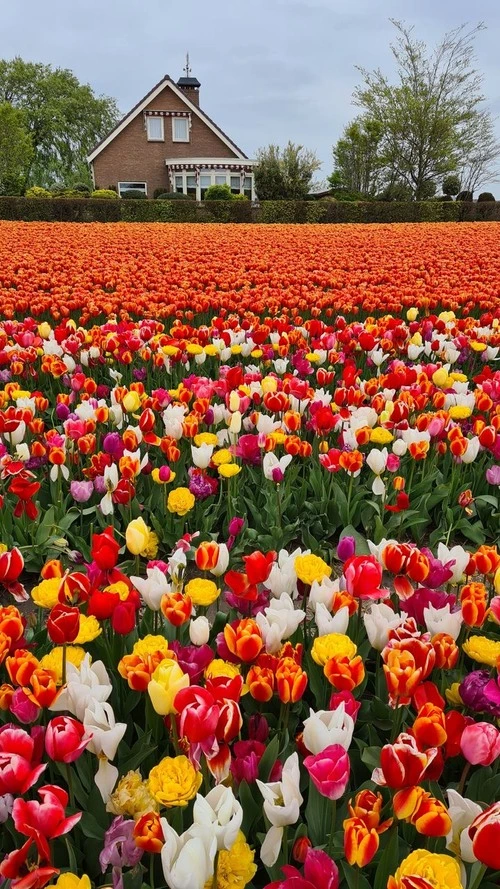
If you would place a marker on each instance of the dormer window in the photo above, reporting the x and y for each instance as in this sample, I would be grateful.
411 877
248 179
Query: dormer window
180 129
155 129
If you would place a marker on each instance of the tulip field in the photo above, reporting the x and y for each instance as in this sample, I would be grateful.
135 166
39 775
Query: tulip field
249 556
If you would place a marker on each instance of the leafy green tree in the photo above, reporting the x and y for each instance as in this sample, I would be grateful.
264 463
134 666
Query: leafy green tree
357 159
451 185
62 116
16 150
284 173
432 117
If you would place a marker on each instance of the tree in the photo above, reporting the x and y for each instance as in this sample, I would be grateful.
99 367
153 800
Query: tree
432 118
63 118
451 185
284 173
357 158
16 150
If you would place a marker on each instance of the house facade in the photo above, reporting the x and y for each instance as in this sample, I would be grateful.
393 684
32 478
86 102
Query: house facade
167 142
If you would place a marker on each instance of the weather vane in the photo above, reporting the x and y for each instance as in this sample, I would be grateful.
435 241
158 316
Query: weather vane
187 69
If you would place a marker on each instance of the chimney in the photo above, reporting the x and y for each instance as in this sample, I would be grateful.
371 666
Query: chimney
190 86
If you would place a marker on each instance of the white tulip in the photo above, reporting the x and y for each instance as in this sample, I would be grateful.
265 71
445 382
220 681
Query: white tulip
199 630
331 623
377 460
399 447
152 587
279 621
443 620
188 860
235 423
472 450
86 683
274 469
282 577
455 554
105 736
201 456
220 811
16 436
379 619
327 727
462 813
282 802
222 561
323 592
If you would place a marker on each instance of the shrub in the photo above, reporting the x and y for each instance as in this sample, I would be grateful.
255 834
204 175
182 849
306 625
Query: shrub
134 194
171 195
466 196
240 197
486 196
443 197
82 188
37 192
219 193
11 185
104 193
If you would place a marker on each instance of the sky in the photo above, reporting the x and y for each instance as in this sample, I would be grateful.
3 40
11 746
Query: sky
270 70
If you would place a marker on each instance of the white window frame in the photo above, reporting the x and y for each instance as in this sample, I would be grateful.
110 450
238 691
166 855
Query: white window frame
155 138
186 119
127 186
212 173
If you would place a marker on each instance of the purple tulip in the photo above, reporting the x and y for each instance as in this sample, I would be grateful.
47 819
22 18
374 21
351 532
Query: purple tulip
193 659
478 694
493 475
62 411
113 444
346 548
81 491
120 849
422 598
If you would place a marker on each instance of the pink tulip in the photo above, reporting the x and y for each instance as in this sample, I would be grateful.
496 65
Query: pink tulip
65 739
480 743
346 698
319 871
20 766
22 708
329 770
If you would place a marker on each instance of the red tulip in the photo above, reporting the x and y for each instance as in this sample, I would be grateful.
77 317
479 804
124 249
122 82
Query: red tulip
485 835
402 764
63 624
65 739
363 576
11 568
14 867
46 820
105 549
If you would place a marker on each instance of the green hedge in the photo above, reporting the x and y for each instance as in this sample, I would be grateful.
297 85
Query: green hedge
322 211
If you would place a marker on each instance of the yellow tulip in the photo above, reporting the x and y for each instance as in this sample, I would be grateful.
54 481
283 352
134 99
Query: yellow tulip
131 402
137 536
166 681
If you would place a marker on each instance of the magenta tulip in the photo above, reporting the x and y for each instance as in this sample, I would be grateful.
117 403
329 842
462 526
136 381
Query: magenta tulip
329 771
319 871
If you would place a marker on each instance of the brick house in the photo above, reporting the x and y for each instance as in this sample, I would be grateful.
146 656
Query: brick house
167 142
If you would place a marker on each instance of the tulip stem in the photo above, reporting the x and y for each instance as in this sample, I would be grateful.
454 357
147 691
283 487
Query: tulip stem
332 826
216 867
175 736
463 778
70 784
64 664
477 882
278 501
151 870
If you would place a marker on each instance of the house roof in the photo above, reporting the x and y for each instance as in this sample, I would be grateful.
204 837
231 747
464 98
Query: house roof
155 91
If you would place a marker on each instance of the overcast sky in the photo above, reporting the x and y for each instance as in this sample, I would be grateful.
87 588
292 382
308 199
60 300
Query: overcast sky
270 70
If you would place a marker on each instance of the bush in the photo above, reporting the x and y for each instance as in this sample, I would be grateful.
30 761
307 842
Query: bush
134 194
443 197
219 193
11 185
240 197
104 193
171 195
82 188
466 196
451 185
37 192
486 196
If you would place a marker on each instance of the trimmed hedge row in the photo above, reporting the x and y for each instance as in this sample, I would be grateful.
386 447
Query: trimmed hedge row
102 210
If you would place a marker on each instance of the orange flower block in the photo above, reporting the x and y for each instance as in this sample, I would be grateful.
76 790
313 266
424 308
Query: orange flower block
447 651
474 601
428 815
401 675
243 639
344 673
138 670
42 687
176 608
360 842
20 666
291 681
260 682
148 833
429 727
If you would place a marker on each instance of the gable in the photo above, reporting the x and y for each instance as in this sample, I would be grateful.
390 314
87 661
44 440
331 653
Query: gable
166 96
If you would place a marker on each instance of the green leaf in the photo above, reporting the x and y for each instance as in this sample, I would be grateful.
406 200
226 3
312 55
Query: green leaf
389 860
354 878
318 816
371 757
91 827
362 548
251 808
269 758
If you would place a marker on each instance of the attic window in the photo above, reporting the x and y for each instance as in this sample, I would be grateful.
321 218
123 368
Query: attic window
155 129
180 129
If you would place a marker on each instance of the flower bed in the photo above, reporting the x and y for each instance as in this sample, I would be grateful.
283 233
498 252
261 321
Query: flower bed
260 557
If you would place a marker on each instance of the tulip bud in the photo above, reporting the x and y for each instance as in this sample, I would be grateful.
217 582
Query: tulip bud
300 849
63 624
199 631
346 548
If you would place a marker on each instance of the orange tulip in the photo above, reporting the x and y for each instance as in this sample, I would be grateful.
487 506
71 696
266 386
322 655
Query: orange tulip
148 833
291 681
176 608
243 639
344 673
260 682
